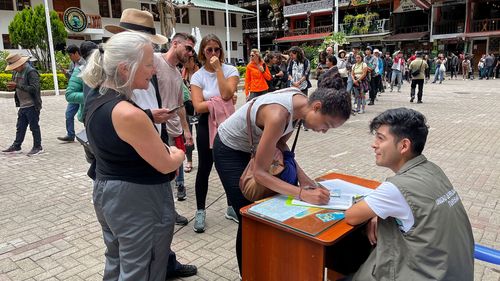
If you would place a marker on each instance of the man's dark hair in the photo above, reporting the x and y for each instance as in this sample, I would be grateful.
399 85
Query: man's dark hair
181 36
404 123
86 48
332 59
334 102
71 49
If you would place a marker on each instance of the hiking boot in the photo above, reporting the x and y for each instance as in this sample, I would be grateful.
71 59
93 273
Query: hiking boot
35 150
231 214
180 220
12 150
184 270
199 221
181 192
66 139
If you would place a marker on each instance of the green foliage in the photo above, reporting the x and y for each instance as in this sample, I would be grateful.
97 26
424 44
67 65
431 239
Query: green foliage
29 30
62 59
3 62
311 53
348 19
46 81
360 23
242 70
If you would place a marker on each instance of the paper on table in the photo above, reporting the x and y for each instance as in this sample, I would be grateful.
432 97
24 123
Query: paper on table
342 202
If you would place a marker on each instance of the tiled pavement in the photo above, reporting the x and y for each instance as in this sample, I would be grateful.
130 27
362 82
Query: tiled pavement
48 230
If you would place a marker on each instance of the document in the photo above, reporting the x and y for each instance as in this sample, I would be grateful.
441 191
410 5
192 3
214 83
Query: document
342 195
276 209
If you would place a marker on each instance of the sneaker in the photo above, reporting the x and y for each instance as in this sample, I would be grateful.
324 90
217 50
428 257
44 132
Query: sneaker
184 270
371 103
12 150
181 192
412 98
66 139
180 220
419 101
35 150
199 221
362 111
231 214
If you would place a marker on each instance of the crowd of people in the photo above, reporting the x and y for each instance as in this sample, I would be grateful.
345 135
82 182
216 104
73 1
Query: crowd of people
149 103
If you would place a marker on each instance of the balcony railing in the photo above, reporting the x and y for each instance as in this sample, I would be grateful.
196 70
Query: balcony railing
411 29
322 29
248 4
485 25
448 27
378 26
251 27
297 31
93 21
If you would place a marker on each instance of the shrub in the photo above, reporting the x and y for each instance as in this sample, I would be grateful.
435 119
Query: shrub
242 70
3 62
46 81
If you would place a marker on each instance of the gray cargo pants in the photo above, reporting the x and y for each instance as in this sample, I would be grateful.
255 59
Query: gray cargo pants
137 223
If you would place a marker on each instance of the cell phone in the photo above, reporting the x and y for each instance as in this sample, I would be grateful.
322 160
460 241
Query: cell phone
175 108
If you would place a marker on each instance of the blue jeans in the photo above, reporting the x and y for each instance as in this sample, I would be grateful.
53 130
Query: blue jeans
438 75
28 116
71 111
396 77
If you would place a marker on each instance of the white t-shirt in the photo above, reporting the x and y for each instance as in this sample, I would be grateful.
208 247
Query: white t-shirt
146 99
387 201
207 81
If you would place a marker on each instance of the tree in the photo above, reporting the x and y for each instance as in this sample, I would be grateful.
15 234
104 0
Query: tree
29 30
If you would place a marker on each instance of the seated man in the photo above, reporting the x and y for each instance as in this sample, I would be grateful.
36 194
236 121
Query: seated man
416 217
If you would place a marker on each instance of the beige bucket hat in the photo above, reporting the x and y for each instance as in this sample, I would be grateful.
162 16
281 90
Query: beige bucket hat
14 61
139 21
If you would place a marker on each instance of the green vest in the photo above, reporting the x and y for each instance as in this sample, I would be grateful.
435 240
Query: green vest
439 246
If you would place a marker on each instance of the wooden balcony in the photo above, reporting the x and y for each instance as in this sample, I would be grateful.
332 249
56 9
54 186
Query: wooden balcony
448 27
93 21
378 26
251 27
412 29
485 25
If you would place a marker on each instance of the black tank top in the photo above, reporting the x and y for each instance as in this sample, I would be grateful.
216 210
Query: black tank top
116 159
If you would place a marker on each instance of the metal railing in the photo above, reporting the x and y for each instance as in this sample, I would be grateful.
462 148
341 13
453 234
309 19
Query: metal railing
297 31
411 29
253 24
322 29
378 26
93 21
448 27
485 25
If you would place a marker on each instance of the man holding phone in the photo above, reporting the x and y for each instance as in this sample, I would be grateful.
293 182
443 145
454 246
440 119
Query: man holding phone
26 84
170 85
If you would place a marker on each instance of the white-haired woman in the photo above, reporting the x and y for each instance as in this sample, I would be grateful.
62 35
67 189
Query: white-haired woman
132 194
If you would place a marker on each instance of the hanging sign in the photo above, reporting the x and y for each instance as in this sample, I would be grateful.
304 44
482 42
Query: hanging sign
75 19
407 6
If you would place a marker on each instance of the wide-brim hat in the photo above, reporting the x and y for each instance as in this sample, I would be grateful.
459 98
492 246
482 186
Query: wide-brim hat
396 53
376 51
342 51
14 61
138 21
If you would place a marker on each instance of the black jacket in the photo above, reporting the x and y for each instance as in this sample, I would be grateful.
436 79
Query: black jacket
31 85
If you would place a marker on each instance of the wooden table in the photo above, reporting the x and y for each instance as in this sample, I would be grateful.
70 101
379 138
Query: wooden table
275 252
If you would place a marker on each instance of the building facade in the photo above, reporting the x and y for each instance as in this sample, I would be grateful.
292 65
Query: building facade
208 16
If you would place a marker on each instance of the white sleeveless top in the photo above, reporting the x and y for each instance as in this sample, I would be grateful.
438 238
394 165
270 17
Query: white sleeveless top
233 131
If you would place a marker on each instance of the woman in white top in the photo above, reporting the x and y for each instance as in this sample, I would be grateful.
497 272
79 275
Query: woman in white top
214 79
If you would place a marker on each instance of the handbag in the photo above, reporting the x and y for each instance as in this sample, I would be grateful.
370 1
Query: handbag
251 189
417 72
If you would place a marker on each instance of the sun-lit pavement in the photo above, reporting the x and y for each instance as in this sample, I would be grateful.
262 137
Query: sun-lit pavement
48 230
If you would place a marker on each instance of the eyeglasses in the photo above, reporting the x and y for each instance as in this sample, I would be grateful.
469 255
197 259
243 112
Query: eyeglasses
212 50
189 49
252 55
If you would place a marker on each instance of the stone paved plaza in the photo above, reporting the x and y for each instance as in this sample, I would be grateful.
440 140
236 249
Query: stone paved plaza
48 229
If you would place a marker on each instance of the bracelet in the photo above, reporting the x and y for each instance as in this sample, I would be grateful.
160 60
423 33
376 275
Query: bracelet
300 192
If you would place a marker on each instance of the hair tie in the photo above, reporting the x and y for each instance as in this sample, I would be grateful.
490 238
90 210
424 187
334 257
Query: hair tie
101 49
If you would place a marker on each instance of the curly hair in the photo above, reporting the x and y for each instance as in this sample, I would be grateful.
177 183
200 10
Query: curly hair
334 102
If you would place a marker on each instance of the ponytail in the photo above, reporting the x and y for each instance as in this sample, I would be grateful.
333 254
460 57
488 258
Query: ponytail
93 75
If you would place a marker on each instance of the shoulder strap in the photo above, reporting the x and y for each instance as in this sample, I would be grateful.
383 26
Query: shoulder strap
98 102
249 129
296 136
154 81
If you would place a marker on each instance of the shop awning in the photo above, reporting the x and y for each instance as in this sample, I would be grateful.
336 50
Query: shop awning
414 36
482 34
299 38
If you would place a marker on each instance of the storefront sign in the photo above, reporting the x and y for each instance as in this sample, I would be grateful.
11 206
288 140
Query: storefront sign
75 19
307 7
407 6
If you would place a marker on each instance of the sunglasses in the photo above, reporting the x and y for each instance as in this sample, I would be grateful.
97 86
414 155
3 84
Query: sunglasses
212 50
189 49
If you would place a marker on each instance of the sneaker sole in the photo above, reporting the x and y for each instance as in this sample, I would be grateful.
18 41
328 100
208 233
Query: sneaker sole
13 152
39 152
231 218
198 230
181 198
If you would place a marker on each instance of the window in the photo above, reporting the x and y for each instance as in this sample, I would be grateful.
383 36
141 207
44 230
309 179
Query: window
21 4
104 9
234 46
182 16
152 8
203 15
232 19
6 5
6 42
207 17
116 8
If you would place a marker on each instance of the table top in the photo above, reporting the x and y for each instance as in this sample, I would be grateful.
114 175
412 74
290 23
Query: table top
332 234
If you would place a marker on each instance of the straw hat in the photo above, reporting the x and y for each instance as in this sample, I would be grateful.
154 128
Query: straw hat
137 20
14 61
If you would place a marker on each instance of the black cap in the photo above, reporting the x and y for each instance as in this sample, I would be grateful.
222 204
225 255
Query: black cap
369 48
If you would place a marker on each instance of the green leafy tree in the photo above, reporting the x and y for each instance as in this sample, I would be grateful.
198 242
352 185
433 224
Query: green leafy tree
3 62
29 30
